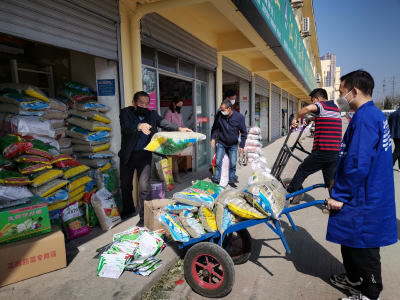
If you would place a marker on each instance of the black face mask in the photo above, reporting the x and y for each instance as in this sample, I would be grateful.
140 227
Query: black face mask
141 111
178 109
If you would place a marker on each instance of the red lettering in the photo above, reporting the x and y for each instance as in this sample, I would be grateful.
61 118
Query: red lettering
39 211
25 215
25 261
33 259
32 213
46 256
10 219
18 217
39 257
53 253
18 263
10 265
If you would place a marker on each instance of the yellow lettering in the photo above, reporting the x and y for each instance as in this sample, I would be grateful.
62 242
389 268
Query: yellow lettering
277 3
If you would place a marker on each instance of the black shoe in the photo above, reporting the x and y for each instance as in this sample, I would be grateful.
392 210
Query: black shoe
140 223
211 171
214 181
343 282
232 184
128 215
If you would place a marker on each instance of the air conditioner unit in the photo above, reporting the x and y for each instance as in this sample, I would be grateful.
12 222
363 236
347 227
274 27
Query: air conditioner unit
318 78
306 26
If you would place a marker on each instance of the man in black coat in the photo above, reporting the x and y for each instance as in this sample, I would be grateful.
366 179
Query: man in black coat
394 125
138 125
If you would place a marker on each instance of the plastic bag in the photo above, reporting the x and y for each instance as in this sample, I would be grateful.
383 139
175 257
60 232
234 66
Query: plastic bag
64 143
20 88
255 143
253 149
57 196
29 125
91 105
29 159
106 179
253 137
25 168
176 207
97 155
85 135
46 139
225 196
15 109
8 193
106 209
67 151
23 101
194 199
254 130
56 123
173 143
208 219
240 207
90 115
78 86
90 143
74 222
73 171
174 227
44 177
94 163
57 105
55 114
76 95
94 149
13 145
224 217
164 172
224 170
192 226
77 181
205 188
66 101
13 178
46 189
40 149
89 124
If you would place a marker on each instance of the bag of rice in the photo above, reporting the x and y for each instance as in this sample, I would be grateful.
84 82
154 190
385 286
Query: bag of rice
76 96
13 178
12 145
64 143
97 155
45 139
269 197
57 123
89 125
174 227
90 143
164 172
57 105
76 191
46 189
27 125
192 226
254 130
225 196
44 177
15 109
73 171
240 207
94 149
173 143
67 151
55 114
91 105
25 168
85 135
106 209
66 101
90 115
23 101
94 163
32 159
9 193
40 149
207 218
78 197
61 157
176 207
225 218
56 207
57 196
194 199
4 161
76 226
23 88
204 188
78 86
77 181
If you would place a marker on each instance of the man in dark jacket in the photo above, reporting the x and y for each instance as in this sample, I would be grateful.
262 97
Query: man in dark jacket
394 125
228 123
138 125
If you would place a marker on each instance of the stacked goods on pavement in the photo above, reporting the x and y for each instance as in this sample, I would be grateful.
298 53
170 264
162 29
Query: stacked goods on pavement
253 145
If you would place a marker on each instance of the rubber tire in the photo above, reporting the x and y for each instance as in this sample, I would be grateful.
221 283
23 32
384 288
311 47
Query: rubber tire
223 257
289 180
248 247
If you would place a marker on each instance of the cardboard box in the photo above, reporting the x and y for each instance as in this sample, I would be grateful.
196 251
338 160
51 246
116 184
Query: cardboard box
32 257
24 221
151 209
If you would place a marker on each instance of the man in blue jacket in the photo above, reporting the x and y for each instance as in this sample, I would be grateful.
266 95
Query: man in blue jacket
394 125
228 123
362 203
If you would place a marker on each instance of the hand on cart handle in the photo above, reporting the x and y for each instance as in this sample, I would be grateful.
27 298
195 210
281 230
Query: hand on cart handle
294 124
308 121
334 204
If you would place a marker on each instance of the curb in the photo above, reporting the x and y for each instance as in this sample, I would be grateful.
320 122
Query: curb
181 292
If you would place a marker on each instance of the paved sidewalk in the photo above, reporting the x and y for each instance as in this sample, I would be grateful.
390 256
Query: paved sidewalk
272 273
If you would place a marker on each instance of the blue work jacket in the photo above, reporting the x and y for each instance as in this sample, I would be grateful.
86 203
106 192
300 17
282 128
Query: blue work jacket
364 182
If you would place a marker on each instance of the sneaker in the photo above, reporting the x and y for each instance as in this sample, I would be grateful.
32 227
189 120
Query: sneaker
140 223
177 178
344 283
357 296
232 184
214 181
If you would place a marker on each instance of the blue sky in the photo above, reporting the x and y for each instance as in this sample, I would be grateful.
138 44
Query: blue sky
363 34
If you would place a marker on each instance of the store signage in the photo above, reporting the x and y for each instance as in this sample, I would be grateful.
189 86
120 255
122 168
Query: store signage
149 86
106 87
245 99
203 120
279 16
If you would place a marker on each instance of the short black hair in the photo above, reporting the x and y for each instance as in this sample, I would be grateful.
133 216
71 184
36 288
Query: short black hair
229 93
227 104
140 94
319 92
359 79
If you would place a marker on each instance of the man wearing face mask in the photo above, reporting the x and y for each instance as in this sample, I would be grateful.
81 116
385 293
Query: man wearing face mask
231 96
362 205
328 137
138 125
228 123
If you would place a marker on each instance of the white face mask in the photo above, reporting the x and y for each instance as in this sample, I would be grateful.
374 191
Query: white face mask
225 113
232 101
343 104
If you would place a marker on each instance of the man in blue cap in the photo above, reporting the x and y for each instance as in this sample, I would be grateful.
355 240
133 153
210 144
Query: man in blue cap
362 205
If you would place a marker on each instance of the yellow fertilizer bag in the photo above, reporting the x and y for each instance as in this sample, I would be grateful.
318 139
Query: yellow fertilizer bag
58 205
48 188
73 171
78 197
76 192
164 172
173 143
24 88
208 219
240 207
75 183
44 176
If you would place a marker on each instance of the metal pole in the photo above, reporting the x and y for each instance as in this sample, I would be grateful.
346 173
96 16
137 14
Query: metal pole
384 94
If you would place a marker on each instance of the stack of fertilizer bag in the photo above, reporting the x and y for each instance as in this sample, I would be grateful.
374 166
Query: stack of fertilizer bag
253 144
132 250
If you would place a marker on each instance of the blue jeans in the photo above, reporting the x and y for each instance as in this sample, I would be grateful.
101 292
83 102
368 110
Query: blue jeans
232 153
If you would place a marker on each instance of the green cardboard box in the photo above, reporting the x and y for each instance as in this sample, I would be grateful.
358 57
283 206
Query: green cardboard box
24 221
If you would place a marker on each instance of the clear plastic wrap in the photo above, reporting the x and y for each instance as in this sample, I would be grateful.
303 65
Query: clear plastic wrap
91 115
55 114
57 105
192 226
97 155
91 105
89 125
253 137
94 149
254 130
173 143
255 143
22 88
253 149
14 109
242 208
85 135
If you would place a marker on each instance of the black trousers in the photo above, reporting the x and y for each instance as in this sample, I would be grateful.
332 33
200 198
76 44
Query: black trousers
366 264
318 160
396 153
140 161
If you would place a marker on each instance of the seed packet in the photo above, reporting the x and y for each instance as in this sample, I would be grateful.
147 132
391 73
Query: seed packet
174 226
149 271
72 218
176 207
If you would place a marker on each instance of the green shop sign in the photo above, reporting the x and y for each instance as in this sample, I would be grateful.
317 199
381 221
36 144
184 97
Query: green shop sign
280 18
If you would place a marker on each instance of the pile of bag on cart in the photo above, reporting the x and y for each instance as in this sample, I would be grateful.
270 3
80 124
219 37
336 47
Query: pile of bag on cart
206 207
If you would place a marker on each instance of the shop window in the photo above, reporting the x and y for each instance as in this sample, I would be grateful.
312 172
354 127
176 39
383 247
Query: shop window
167 62
186 68
202 74
148 56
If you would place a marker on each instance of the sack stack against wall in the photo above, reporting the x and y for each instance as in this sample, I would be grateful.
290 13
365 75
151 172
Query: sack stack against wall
253 143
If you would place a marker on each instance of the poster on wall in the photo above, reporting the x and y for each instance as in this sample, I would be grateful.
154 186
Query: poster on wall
149 86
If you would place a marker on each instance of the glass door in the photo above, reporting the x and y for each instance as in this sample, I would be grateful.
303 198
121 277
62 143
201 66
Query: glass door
203 124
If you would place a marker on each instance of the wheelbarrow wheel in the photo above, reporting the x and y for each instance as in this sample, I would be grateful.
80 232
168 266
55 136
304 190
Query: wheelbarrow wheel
209 270
239 246
298 198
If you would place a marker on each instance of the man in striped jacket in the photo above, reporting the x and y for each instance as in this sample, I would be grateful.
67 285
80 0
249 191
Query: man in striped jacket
327 140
